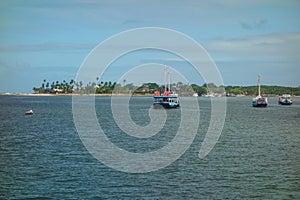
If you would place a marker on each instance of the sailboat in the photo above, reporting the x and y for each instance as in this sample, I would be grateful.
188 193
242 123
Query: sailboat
259 101
208 93
167 99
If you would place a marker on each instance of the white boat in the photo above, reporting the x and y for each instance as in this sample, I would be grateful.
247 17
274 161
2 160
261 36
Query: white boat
285 99
259 101
209 95
29 112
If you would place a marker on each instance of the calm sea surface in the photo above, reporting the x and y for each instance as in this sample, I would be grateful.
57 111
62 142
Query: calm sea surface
42 156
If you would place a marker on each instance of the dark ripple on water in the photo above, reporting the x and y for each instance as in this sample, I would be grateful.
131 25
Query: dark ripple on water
42 157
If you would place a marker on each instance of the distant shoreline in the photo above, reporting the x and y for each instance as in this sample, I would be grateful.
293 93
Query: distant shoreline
102 95
56 95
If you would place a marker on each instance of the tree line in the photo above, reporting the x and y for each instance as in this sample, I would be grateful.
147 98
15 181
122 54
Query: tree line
109 87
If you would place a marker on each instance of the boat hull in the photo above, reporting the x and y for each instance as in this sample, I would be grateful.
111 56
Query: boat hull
167 105
166 101
255 104
285 103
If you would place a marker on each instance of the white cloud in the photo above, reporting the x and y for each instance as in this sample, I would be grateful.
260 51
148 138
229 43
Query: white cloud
284 47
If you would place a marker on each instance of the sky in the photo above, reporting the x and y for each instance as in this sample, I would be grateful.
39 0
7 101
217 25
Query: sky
51 39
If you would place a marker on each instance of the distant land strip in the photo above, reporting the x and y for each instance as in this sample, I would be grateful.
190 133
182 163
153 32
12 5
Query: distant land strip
109 88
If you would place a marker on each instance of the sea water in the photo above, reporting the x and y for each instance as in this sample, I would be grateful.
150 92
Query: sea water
42 156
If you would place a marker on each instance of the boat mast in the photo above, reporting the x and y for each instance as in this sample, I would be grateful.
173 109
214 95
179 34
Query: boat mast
169 79
207 89
258 83
165 77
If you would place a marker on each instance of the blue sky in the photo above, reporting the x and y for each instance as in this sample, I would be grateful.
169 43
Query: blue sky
50 39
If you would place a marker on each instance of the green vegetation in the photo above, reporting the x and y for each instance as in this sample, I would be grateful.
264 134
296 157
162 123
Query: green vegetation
266 90
55 87
108 87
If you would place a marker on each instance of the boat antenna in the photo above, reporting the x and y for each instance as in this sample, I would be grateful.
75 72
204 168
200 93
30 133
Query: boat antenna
258 83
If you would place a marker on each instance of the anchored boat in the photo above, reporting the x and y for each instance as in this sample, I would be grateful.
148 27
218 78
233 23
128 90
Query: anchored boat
167 99
285 99
259 101
29 112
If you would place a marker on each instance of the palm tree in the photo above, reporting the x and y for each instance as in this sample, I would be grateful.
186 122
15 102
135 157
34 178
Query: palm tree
35 90
52 85
70 90
80 85
77 86
67 88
